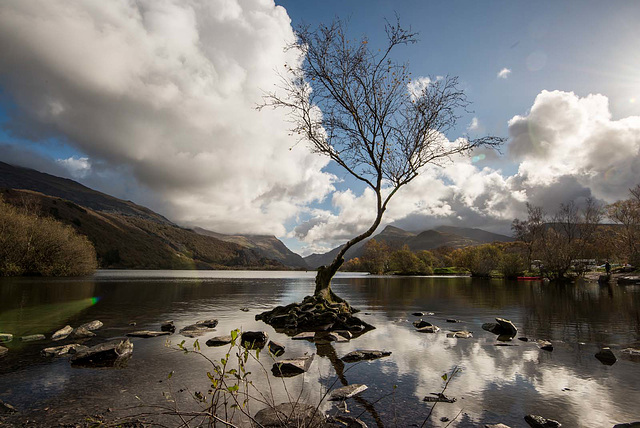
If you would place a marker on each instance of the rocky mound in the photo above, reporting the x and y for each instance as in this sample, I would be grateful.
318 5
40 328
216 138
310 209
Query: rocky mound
315 313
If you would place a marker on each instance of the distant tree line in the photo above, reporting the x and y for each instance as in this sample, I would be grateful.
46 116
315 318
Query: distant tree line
31 244
557 246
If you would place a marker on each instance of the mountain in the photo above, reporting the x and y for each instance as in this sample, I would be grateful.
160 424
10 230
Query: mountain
124 234
396 238
266 245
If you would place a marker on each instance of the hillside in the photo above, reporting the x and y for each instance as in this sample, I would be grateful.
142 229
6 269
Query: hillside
266 245
396 238
127 235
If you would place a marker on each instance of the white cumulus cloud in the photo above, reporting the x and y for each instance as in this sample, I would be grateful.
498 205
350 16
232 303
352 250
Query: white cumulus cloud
164 91
504 73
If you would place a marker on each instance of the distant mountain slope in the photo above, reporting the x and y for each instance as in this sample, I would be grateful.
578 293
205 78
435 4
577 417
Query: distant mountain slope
126 235
266 245
396 238
16 177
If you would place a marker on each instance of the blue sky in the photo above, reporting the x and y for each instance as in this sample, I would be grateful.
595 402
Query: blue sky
155 102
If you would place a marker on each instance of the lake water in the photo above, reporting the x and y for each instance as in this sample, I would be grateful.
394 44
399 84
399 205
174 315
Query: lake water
497 384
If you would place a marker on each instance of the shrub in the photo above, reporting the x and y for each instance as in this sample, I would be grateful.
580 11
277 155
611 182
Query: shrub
33 245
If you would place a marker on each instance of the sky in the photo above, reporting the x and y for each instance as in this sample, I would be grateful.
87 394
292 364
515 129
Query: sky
154 101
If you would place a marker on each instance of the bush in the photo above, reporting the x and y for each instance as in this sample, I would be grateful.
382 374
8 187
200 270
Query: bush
33 245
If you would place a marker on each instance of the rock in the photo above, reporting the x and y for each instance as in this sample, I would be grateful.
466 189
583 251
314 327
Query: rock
93 325
133 323
6 408
524 339
536 421
422 323
292 367
501 327
196 330
346 392
219 341
275 348
110 354
6 337
463 334
497 426
58 351
507 327
326 337
628 425
451 320
290 415
545 345
439 397
362 355
344 333
244 309
62 333
631 353
82 332
418 314
254 339
168 325
504 344
305 335
3 351
148 333
207 323
428 329
606 356
33 337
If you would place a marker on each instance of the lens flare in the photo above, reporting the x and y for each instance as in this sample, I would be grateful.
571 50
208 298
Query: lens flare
478 158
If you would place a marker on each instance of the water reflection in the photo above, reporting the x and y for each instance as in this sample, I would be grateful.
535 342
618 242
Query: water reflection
497 384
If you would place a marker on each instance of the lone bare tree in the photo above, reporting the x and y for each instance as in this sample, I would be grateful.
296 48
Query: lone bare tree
358 106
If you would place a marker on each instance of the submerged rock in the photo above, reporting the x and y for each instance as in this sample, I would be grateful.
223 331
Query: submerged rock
463 334
438 397
428 329
168 325
82 333
497 426
63 333
207 323
545 345
418 314
346 392
93 325
628 425
148 333
305 335
290 415
219 341
254 339
6 337
110 354
536 421
58 351
631 353
3 351
276 348
292 367
362 355
33 337
606 356
199 328
343 421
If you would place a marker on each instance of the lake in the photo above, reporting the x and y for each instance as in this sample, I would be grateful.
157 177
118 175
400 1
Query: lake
496 384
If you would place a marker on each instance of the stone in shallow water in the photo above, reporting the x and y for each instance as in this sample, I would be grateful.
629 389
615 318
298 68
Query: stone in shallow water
82 332
148 333
207 323
6 337
536 421
254 339
3 351
438 397
195 330
428 329
362 355
110 354
6 408
497 426
287 415
62 333
292 367
93 325
606 356
305 335
33 337
219 341
168 326
422 323
628 425
545 345
463 334
276 348
58 351
346 392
